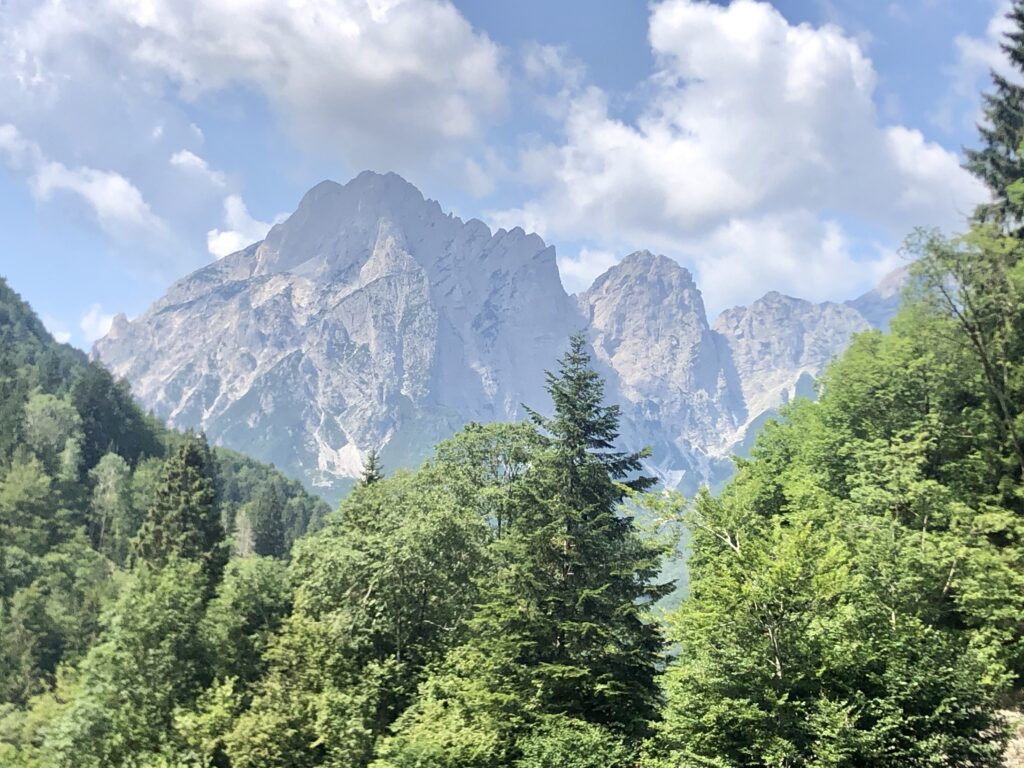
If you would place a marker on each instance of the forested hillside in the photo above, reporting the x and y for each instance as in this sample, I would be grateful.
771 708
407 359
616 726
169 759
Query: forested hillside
856 592
86 482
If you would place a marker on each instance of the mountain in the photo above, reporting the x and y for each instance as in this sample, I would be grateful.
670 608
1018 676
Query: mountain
778 345
372 319
879 305
670 372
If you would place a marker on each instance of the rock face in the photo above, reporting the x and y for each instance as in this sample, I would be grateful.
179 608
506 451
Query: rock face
778 346
370 318
671 374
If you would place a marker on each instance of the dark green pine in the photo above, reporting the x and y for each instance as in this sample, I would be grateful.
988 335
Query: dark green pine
267 517
999 163
570 600
373 470
184 521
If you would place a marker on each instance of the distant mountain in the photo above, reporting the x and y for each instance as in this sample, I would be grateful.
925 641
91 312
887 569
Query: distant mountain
372 319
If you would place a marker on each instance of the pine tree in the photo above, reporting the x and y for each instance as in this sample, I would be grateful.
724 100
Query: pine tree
373 470
562 633
583 433
185 521
596 654
575 582
1000 161
266 518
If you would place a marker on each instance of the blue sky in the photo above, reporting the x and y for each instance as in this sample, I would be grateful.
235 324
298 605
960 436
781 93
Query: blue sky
786 146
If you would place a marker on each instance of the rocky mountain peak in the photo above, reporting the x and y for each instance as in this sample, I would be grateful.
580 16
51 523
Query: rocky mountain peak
368 319
372 319
779 341
648 325
644 295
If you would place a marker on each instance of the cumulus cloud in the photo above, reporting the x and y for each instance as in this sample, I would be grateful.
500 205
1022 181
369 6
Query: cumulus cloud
579 273
976 58
95 323
554 75
359 78
240 229
117 204
757 131
194 164
795 251
57 329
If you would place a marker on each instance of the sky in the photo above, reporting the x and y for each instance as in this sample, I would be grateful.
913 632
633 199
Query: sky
786 146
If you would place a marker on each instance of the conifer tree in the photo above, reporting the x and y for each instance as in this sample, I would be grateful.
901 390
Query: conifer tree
185 521
266 516
560 646
999 163
373 470
594 654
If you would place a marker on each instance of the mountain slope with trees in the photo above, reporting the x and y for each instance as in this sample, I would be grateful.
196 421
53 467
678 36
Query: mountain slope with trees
87 482
856 591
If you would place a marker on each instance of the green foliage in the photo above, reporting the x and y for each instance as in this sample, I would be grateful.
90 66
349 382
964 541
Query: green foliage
562 628
51 425
27 348
113 520
250 604
561 742
856 592
240 480
382 591
111 421
80 469
266 513
117 707
185 522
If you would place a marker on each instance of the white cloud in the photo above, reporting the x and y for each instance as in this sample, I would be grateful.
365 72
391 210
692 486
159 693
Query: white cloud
19 153
756 129
977 56
364 79
117 204
57 329
95 323
241 229
797 252
579 273
194 164
114 199
554 75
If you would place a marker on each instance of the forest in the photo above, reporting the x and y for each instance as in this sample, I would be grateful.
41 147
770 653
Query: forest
855 595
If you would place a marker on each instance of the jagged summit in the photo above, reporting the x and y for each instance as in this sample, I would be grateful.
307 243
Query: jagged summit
648 325
368 318
371 318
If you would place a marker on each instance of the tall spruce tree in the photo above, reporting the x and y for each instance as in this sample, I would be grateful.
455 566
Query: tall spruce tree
591 649
373 470
999 163
185 522
561 634
267 519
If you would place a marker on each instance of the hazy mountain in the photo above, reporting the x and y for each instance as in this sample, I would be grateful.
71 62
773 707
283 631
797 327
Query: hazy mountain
370 318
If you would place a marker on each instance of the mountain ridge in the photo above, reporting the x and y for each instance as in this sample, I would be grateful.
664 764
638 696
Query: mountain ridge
370 318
